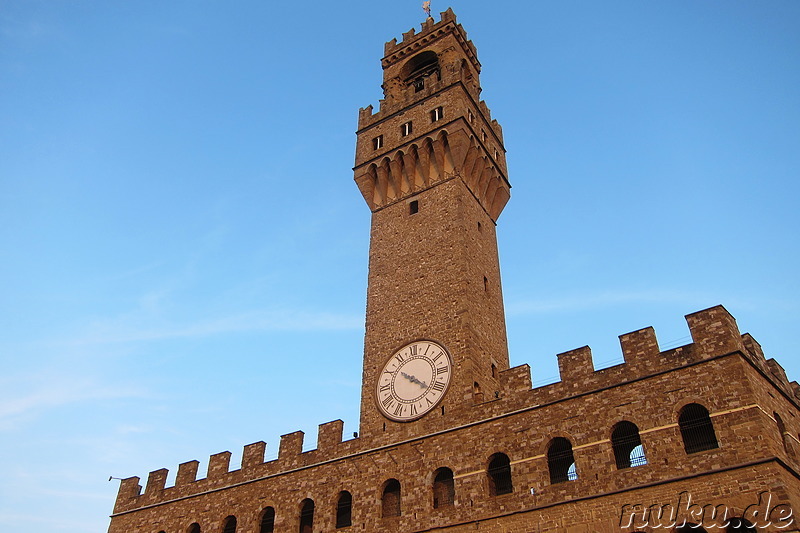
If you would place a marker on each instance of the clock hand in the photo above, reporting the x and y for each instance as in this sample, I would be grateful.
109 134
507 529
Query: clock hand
413 379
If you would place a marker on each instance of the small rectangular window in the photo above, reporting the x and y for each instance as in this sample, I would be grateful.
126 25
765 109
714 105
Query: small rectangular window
483 135
413 207
496 155
377 142
405 129
437 114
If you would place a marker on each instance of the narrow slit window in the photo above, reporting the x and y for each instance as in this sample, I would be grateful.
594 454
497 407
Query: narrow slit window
437 114
470 116
413 207
377 142
485 283
406 129
483 135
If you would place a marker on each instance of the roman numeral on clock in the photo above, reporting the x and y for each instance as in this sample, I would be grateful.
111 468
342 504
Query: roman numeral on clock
438 386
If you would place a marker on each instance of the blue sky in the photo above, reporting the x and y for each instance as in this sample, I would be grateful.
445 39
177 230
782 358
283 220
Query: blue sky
184 251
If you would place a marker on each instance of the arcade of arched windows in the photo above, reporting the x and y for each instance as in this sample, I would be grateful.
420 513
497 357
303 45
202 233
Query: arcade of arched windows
694 422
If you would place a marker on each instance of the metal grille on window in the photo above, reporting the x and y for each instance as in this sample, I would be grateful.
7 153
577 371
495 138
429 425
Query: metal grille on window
444 491
627 445
391 499
307 516
561 461
500 475
268 521
696 429
230 525
344 508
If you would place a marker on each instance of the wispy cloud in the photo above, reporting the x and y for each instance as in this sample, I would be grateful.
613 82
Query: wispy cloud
137 330
51 393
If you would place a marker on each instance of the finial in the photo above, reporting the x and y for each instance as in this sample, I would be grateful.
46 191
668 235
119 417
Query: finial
426 7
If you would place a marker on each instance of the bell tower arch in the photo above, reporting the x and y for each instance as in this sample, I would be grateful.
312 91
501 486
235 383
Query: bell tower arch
431 167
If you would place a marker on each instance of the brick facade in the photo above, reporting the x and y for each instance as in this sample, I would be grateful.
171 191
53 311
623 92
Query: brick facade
436 193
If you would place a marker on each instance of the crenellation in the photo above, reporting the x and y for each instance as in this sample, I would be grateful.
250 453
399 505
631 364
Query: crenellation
389 46
515 380
156 481
777 370
640 347
704 416
187 473
752 347
291 446
575 365
329 435
253 455
218 465
713 327
129 491
714 332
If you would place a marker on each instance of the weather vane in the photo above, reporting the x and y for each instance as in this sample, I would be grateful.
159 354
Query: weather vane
426 7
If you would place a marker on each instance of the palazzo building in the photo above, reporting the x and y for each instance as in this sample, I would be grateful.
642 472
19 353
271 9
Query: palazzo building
451 438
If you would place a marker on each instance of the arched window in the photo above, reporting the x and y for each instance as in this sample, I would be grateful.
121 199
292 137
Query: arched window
194 528
344 509
420 67
306 515
560 461
740 525
267 520
444 490
390 503
230 525
500 475
627 445
696 429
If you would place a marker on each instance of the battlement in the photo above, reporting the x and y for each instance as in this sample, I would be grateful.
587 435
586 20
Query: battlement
714 332
456 60
412 40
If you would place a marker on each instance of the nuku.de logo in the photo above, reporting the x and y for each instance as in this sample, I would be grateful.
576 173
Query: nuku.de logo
761 515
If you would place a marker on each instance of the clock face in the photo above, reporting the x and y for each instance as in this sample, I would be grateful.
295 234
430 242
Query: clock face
413 380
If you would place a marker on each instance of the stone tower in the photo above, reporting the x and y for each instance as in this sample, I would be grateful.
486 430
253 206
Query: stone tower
452 439
431 167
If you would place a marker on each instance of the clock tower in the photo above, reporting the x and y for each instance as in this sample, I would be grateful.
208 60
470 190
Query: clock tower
430 164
